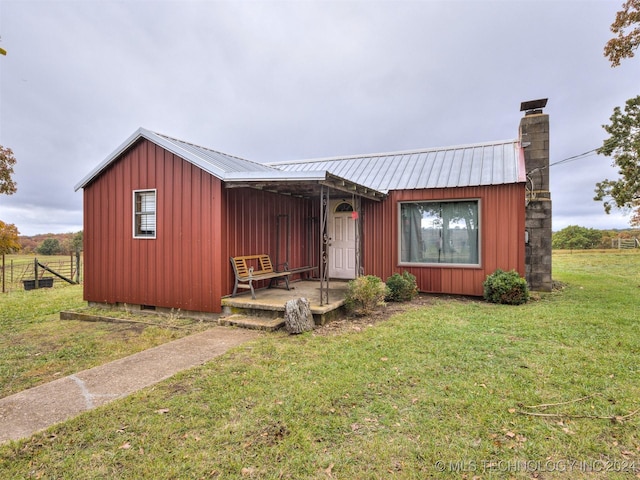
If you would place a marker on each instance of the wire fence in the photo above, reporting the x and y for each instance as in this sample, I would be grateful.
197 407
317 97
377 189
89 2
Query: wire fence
19 273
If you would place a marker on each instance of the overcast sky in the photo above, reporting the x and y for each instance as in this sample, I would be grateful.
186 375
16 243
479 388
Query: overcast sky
271 81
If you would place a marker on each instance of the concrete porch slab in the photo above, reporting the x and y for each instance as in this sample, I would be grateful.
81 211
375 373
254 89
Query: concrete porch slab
270 302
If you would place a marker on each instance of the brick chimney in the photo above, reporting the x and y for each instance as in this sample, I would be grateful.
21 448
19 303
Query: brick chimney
534 137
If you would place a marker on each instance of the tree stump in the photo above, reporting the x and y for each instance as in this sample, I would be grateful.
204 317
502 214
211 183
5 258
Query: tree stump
297 316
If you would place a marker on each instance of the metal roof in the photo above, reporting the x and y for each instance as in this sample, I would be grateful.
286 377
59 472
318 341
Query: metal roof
216 163
370 175
490 163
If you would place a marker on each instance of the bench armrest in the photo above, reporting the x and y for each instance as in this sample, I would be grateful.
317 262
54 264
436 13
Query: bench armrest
285 267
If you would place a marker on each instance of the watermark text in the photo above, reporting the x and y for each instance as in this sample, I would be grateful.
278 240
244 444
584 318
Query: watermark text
488 466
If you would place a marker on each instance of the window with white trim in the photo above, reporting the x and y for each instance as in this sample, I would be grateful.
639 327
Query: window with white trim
440 232
144 214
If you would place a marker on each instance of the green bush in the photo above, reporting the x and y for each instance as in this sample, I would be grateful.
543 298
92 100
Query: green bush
506 287
402 288
365 294
49 246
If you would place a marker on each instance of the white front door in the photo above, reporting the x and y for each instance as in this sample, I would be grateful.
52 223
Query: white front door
342 246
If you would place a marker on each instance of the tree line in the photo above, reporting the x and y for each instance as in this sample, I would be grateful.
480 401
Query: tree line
51 243
574 237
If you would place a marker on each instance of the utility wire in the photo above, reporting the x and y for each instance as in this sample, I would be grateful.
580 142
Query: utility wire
574 158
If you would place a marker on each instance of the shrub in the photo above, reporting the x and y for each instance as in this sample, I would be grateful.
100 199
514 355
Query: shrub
365 294
401 287
506 287
49 246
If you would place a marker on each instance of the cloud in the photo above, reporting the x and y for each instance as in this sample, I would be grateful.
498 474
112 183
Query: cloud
275 81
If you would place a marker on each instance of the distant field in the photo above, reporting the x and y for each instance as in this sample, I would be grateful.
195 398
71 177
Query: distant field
631 251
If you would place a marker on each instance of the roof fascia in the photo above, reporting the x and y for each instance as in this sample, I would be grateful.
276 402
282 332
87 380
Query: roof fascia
158 140
275 175
246 179
339 183
141 132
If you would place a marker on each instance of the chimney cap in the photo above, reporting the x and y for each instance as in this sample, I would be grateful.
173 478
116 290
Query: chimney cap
533 105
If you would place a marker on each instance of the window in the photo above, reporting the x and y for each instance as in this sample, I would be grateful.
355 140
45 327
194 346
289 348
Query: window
440 232
344 207
144 214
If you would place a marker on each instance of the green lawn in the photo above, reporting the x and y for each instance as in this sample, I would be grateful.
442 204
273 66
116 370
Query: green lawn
37 347
456 388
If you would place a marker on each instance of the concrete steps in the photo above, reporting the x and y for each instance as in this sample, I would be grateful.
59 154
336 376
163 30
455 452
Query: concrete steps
252 322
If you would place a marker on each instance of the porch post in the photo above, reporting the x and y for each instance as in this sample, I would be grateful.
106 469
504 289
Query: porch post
357 208
324 245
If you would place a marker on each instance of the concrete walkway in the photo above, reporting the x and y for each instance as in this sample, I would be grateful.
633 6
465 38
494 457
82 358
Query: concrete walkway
26 412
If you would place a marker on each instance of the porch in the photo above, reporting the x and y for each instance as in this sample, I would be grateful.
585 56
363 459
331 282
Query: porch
266 312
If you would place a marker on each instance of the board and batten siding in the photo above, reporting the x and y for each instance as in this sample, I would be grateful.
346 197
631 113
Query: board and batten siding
502 237
253 219
181 268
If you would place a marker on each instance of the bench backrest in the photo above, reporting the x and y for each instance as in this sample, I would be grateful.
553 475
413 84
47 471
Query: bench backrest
242 265
265 264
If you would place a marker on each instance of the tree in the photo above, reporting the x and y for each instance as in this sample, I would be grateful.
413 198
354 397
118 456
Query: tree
8 238
623 146
574 237
49 246
626 27
624 143
7 161
8 232
28 244
77 242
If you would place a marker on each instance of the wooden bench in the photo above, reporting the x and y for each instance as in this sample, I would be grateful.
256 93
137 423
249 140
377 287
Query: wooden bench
247 273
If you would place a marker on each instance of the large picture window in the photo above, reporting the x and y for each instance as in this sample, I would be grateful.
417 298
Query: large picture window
144 214
440 232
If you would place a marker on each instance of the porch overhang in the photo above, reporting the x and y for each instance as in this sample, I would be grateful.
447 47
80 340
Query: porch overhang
299 184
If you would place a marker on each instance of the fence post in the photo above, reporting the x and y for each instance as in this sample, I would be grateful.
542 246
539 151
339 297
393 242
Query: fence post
78 266
35 272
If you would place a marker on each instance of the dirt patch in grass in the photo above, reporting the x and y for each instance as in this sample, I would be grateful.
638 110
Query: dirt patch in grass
126 331
270 435
357 324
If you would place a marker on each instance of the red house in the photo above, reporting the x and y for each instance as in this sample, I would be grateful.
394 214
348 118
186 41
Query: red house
162 217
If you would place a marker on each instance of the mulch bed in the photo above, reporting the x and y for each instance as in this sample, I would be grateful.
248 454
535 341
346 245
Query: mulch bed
357 324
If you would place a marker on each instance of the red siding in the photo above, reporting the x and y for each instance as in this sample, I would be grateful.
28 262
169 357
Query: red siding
252 227
501 230
178 269
200 224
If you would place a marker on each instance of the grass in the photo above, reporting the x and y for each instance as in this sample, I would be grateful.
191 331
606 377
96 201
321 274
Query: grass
438 391
37 347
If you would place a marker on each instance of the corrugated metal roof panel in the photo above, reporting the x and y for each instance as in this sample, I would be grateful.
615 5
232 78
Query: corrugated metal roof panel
490 163
216 163
468 165
219 162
